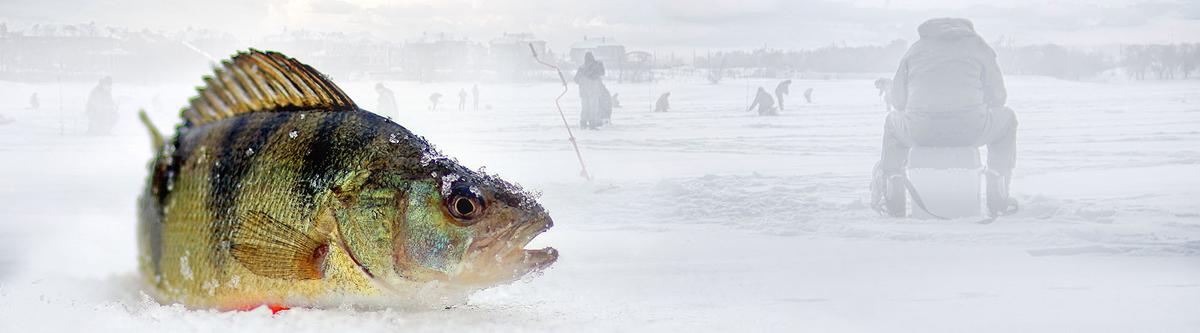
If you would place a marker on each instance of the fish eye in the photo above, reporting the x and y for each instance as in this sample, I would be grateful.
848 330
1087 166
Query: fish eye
464 204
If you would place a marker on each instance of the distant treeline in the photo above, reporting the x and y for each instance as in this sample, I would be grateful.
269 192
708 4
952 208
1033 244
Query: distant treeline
1167 61
789 63
1141 61
1159 61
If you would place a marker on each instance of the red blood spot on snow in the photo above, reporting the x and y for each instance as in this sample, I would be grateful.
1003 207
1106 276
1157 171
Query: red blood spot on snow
275 308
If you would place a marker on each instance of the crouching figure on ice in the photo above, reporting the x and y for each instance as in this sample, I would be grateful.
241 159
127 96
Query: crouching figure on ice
764 102
947 92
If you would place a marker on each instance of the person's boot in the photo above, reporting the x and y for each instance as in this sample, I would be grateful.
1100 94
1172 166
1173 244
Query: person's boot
888 196
998 201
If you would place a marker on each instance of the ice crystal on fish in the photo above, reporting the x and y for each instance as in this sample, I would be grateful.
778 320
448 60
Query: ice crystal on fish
184 268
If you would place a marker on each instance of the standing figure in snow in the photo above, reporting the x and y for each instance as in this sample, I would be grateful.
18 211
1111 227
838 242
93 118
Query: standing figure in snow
808 95
782 89
462 99
34 103
592 92
664 103
948 92
475 96
884 85
766 104
616 102
101 110
434 98
387 101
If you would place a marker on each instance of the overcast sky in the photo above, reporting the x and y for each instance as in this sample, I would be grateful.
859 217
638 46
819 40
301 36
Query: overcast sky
669 25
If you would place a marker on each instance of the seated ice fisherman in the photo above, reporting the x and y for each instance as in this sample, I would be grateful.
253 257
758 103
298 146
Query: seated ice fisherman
948 92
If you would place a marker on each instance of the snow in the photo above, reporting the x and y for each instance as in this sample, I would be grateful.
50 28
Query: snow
705 218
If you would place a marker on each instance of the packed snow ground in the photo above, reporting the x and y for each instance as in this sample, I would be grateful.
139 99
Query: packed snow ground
707 217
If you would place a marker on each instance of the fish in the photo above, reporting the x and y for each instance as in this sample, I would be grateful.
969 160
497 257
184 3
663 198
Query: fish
277 189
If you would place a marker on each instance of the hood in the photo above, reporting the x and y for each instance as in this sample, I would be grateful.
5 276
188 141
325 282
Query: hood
946 28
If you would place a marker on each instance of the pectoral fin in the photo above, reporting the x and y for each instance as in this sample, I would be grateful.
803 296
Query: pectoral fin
275 249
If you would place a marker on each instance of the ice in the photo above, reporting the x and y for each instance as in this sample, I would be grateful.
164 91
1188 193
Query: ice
705 218
447 183
211 286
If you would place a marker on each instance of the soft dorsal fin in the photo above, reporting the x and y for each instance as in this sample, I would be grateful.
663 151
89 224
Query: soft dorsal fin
258 81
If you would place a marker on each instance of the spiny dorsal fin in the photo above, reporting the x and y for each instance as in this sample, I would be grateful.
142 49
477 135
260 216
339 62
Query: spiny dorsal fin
258 81
274 249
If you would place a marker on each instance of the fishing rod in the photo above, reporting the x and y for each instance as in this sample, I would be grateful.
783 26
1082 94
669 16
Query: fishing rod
563 79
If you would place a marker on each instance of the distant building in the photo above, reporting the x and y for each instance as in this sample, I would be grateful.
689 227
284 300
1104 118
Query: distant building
605 50
86 52
436 57
510 57
336 54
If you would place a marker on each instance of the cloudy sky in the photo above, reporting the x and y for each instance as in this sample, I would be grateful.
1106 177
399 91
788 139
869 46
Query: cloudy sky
675 25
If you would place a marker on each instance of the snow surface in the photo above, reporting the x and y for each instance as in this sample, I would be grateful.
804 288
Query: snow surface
706 218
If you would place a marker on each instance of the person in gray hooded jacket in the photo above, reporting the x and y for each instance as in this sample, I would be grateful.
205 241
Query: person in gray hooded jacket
948 92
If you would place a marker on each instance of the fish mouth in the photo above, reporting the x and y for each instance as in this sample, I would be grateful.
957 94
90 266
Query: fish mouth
504 258
535 259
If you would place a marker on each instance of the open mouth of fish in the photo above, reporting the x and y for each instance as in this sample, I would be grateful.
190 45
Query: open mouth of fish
534 259
505 256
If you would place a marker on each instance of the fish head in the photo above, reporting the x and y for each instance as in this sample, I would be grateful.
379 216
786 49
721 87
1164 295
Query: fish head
450 225
501 219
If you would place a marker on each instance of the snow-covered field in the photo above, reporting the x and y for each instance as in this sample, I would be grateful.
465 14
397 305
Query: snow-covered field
706 218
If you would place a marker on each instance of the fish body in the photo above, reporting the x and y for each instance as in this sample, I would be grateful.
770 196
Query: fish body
277 189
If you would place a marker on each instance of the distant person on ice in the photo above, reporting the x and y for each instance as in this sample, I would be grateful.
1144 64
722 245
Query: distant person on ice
101 110
616 102
884 85
34 103
764 102
462 99
782 89
592 92
664 103
949 92
434 98
808 95
387 101
475 96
